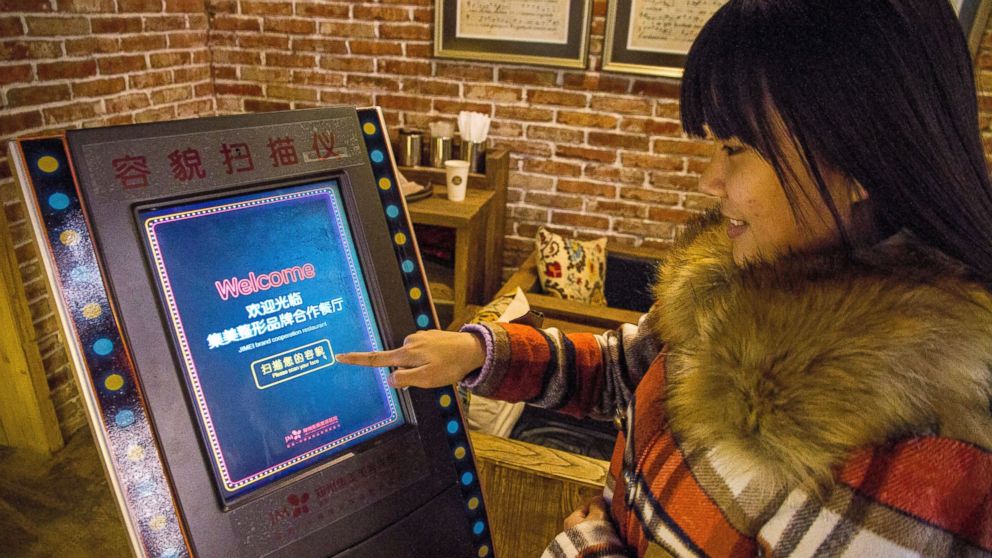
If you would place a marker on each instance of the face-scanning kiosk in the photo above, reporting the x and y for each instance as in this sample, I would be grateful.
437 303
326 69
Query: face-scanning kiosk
206 273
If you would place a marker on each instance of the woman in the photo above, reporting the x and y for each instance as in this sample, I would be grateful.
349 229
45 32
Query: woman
815 375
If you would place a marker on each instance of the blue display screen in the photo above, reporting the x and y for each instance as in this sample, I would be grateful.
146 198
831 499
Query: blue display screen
261 291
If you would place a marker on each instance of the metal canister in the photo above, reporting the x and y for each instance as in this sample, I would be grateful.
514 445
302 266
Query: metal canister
411 147
440 151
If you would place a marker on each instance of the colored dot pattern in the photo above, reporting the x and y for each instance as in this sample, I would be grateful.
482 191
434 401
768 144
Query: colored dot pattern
369 128
416 293
385 183
478 527
399 238
392 212
452 427
92 311
58 201
124 418
69 238
483 551
467 478
103 346
445 401
377 156
473 503
423 320
48 164
460 452
135 453
114 382
408 266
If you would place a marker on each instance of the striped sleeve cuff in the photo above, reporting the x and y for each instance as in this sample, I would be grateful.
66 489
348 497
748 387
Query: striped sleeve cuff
516 359
589 539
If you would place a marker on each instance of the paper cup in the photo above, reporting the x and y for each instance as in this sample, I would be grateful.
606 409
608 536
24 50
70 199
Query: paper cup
456 173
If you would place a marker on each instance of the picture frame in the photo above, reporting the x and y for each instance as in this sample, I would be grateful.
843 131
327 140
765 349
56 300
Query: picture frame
646 41
974 16
545 33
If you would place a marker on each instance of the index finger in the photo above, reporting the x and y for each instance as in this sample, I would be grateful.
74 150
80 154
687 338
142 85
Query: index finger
373 359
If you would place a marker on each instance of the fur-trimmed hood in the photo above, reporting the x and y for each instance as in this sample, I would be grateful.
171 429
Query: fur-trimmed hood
783 369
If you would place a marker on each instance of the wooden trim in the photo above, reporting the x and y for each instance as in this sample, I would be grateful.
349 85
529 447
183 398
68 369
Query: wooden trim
27 414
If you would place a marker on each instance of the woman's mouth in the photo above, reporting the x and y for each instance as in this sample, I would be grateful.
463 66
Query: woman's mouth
735 227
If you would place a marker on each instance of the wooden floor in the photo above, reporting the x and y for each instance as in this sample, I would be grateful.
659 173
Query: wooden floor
58 506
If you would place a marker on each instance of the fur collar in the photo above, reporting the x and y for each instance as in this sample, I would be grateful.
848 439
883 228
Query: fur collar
781 370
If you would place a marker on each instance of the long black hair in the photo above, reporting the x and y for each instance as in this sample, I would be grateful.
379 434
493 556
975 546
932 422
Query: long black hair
882 91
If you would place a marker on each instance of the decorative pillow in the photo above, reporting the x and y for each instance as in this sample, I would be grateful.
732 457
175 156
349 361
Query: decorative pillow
571 269
492 311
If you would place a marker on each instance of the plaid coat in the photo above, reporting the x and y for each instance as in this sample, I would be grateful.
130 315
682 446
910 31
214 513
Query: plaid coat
828 405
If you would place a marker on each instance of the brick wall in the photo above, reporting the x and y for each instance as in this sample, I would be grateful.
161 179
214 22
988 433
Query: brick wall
72 63
594 153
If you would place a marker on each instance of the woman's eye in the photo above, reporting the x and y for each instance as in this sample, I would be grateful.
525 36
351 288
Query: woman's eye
732 150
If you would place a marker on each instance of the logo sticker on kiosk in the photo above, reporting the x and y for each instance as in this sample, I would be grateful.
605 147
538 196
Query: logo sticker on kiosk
261 289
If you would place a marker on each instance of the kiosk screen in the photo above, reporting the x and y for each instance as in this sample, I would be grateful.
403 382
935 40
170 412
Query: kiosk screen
261 291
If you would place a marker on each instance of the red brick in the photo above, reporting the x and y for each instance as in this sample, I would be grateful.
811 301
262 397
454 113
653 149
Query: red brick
596 82
402 102
11 6
201 56
418 50
349 29
464 72
697 165
675 147
122 64
670 215
548 199
599 8
229 73
15 124
657 88
525 113
454 107
24 50
225 22
136 6
548 78
529 182
586 153
587 188
649 195
405 31
431 87
410 2
171 95
374 83
588 119
98 87
423 15
290 60
700 202
204 90
353 64
11 27
540 214
265 74
310 77
644 228
192 73
321 10
405 67
505 129
535 148
187 40
671 181
92 45
290 93
143 43
165 23
86 6
493 93
552 168
184 6
156 114
263 41
71 113
259 105
652 162
168 59
560 98
15 74
145 80
618 208
623 105
651 126
622 141
197 22
580 220
381 13
266 8
57 26
38 95
292 26
240 89
378 48
669 110
353 98
557 135
245 58
610 173
66 70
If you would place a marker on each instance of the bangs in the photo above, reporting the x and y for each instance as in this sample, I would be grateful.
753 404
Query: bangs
724 85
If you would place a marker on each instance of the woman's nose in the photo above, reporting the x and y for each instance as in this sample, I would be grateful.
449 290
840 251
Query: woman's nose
712 180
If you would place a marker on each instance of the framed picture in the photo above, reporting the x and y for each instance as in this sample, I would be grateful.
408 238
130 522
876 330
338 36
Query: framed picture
545 32
974 15
652 37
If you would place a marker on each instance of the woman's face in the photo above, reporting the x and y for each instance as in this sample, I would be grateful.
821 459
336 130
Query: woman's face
760 222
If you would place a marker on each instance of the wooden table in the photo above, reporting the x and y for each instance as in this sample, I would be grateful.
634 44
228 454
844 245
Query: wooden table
468 219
